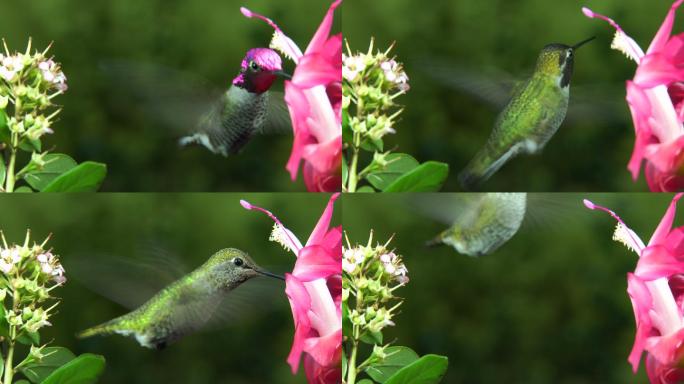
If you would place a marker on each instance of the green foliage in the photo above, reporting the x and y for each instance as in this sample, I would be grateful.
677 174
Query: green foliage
55 357
429 369
85 369
371 83
30 82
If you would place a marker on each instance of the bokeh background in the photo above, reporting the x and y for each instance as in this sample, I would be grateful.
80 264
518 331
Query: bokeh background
589 152
207 38
192 227
549 306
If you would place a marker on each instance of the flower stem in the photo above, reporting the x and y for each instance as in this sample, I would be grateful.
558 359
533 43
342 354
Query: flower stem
351 364
9 370
9 187
353 176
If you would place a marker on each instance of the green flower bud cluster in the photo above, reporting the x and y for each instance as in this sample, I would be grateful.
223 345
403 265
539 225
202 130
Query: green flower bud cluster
28 274
371 275
371 82
28 83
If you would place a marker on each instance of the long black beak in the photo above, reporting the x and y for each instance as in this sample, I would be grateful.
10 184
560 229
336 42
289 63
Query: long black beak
269 274
581 43
283 74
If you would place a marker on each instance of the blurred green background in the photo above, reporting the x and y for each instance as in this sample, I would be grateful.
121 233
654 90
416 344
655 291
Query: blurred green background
207 38
549 306
192 226
589 153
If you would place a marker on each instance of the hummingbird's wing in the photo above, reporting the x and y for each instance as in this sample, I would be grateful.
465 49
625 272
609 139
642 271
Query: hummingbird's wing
472 232
277 115
128 281
597 102
252 298
174 98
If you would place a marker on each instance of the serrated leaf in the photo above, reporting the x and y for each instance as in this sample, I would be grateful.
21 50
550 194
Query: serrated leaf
85 369
429 369
86 177
55 165
397 165
5 134
54 357
396 358
428 177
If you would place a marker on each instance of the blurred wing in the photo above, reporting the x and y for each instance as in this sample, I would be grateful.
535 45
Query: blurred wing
278 116
127 281
553 212
494 87
175 98
603 103
446 208
255 297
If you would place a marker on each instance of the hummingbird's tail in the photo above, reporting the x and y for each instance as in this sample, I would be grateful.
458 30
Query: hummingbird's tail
482 167
435 241
108 328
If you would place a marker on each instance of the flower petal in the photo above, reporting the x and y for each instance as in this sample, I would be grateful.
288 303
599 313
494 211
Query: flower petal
324 28
321 229
300 302
315 262
665 225
641 304
665 29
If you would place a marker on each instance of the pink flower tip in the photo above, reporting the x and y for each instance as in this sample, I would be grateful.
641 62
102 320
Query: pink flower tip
246 12
246 205
589 204
588 12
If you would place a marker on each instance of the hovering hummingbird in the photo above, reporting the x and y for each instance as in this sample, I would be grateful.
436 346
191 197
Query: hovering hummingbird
483 222
185 305
531 117
243 109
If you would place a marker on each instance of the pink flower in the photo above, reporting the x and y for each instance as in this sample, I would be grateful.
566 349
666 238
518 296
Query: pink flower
314 97
656 289
655 100
315 292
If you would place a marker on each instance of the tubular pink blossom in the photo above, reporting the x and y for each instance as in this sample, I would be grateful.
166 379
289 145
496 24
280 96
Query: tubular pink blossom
656 290
314 291
654 97
315 113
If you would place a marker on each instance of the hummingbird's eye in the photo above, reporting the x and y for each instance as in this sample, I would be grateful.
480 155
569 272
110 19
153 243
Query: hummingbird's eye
238 261
253 65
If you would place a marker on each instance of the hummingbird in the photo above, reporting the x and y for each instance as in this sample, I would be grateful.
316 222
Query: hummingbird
531 117
484 223
246 108
185 305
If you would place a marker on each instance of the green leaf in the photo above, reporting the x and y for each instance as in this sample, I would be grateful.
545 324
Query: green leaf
347 325
23 189
85 369
22 381
3 172
365 381
396 358
55 165
344 365
86 177
345 171
372 145
429 369
54 358
29 145
365 189
29 338
5 134
428 177
371 337
347 133
397 165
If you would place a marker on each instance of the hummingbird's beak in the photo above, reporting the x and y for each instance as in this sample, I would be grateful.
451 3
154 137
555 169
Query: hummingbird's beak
581 43
269 274
283 74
